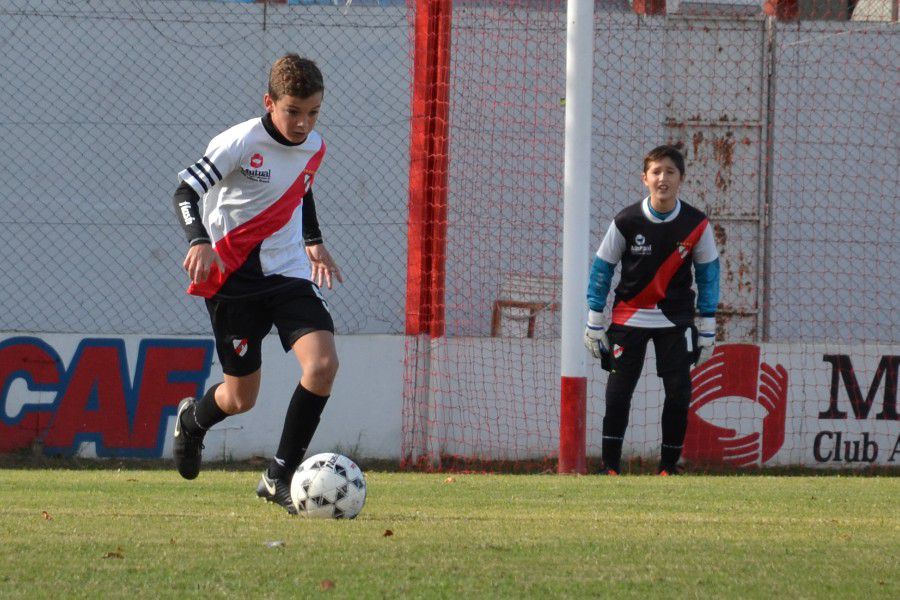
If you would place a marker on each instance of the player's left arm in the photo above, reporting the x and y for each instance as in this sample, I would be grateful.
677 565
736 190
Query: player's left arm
602 269
706 272
323 266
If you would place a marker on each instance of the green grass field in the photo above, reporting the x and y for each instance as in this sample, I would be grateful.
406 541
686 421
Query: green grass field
149 534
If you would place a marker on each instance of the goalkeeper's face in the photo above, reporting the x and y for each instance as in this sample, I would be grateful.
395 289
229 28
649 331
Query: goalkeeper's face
663 179
294 117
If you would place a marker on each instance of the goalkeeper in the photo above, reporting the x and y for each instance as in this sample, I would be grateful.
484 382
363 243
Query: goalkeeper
655 240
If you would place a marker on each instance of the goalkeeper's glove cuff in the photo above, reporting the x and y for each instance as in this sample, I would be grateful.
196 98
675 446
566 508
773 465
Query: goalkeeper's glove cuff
595 320
707 326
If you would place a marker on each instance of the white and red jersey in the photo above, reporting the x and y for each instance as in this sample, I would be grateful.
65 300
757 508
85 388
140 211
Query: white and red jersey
252 182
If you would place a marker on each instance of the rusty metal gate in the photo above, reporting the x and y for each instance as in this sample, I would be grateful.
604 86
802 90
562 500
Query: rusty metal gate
719 121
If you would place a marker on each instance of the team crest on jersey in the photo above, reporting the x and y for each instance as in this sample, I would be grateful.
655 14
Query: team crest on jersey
240 347
308 176
640 246
684 248
617 350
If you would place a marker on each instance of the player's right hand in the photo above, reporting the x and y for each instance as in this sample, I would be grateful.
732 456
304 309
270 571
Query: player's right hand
199 262
596 341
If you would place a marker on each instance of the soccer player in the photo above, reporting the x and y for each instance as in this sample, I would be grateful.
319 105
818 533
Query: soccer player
257 256
655 240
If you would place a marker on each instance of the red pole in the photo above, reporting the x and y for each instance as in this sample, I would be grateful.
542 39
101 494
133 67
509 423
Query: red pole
573 425
428 169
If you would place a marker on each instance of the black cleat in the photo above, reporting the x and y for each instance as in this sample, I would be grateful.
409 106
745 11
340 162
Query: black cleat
186 448
277 491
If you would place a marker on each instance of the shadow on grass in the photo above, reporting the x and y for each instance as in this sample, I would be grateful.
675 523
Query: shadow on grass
30 460
447 464
634 466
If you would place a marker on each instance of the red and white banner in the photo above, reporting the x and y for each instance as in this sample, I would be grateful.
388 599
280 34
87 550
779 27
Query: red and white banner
786 405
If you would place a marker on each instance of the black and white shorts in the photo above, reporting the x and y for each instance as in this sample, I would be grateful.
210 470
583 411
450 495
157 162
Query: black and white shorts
239 326
675 348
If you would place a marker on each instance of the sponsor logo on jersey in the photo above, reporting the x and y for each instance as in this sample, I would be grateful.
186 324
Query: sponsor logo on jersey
261 175
640 246
240 346
256 161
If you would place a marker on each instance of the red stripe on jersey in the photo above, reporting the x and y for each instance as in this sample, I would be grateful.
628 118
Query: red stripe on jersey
235 247
655 291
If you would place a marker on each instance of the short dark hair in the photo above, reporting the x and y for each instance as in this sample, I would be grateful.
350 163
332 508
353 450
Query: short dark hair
661 152
292 75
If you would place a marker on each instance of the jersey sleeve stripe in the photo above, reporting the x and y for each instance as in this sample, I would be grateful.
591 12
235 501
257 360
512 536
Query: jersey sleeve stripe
213 167
205 170
197 179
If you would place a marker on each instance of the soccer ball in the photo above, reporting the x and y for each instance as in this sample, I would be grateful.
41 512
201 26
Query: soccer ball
328 486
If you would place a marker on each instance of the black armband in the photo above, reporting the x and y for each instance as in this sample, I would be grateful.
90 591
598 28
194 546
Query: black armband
312 235
187 206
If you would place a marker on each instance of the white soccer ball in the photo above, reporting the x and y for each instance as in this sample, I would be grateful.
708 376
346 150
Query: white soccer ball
328 486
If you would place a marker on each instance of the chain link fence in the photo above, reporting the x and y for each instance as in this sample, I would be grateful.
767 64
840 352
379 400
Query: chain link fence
103 102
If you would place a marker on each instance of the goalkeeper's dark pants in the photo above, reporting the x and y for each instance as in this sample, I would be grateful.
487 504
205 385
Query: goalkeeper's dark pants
674 348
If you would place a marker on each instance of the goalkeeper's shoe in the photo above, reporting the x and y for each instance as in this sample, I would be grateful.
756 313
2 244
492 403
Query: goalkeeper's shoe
667 471
277 491
186 448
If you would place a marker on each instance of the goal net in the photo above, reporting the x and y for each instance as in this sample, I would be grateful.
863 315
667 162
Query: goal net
789 128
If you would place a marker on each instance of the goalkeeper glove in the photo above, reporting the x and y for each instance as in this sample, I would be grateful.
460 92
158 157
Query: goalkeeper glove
596 341
706 340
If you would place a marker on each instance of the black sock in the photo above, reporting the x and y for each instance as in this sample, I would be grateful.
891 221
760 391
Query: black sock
674 418
206 413
668 457
300 424
612 453
619 389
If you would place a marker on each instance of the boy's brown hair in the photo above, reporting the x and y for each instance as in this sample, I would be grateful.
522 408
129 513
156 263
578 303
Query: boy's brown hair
661 152
292 75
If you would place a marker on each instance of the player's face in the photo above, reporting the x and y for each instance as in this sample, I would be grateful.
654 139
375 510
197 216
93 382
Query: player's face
294 117
663 179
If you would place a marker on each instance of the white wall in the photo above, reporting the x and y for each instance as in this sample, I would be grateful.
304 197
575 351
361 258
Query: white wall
773 395
362 417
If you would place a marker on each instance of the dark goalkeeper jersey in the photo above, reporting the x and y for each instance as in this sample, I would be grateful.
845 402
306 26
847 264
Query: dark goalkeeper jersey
654 288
